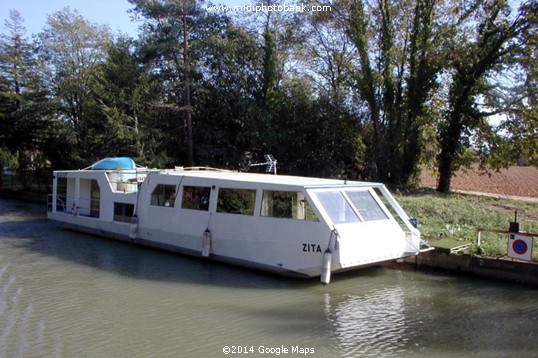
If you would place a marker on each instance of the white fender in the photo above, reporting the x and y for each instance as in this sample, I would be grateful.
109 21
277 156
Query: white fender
206 243
134 227
326 267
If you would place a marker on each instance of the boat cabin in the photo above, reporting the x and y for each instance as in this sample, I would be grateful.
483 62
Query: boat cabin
278 223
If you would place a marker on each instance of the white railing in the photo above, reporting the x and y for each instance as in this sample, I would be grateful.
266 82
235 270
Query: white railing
70 205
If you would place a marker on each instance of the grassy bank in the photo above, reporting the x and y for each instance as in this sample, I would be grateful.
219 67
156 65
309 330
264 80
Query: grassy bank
456 216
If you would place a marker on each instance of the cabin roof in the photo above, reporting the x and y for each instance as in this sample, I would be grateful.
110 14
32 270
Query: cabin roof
308 182
228 175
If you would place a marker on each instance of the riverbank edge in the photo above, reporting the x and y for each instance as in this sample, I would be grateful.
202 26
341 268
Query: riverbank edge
498 268
25 196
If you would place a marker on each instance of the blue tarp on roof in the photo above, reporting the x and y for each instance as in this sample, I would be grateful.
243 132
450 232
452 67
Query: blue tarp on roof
114 164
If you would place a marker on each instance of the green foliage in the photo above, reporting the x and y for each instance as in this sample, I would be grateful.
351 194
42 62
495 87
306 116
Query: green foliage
269 68
473 63
226 113
7 159
397 88
457 216
73 47
321 140
368 90
170 41
520 142
24 110
123 119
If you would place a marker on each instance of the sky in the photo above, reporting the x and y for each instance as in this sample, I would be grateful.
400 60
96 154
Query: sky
34 12
111 12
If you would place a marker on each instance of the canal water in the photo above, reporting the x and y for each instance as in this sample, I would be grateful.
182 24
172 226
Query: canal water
66 294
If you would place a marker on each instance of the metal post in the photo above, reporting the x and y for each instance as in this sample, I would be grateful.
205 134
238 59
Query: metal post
54 191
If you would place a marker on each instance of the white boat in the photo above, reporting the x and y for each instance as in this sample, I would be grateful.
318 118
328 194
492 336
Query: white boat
295 226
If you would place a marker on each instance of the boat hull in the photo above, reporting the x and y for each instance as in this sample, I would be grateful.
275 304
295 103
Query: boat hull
302 274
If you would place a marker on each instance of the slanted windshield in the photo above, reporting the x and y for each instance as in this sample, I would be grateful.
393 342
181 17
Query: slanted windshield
337 207
366 205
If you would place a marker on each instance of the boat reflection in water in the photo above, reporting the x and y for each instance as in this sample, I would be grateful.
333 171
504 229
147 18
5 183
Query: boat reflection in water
414 314
373 324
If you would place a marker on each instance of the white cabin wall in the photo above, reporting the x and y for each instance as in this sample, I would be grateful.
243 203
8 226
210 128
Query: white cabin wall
109 197
106 206
367 242
84 199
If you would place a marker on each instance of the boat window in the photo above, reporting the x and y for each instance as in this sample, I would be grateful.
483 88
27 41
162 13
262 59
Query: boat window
163 195
61 193
123 212
61 190
195 197
286 204
95 200
366 205
337 207
236 201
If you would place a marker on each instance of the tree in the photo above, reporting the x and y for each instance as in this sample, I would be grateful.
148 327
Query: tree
171 27
278 36
395 73
15 68
473 61
520 140
227 93
124 91
328 54
24 110
317 138
73 47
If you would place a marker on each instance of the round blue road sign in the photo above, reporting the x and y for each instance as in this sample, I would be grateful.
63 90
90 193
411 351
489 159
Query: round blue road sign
520 247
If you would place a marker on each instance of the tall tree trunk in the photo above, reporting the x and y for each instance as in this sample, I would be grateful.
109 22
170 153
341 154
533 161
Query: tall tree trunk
450 142
187 96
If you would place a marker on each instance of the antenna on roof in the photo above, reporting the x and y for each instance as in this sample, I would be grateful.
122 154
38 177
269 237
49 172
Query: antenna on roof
270 163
